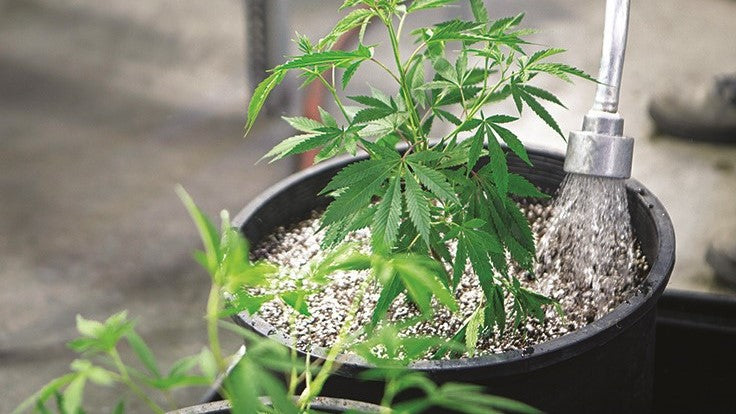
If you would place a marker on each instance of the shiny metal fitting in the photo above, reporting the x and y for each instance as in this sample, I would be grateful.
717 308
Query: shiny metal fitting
602 155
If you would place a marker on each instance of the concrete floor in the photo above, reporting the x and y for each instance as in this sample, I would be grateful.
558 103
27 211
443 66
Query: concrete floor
105 106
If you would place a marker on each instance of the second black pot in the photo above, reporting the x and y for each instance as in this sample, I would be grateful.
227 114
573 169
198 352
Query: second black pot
606 366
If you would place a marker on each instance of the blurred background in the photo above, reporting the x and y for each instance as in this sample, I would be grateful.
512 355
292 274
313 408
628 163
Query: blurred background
106 105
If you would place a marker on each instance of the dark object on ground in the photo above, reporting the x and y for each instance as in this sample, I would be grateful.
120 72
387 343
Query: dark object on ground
721 256
607 366
696 339
708 114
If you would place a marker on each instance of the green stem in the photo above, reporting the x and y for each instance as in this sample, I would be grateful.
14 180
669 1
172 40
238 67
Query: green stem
125 377
406 93
388 397
294 378
319 381
333 92
386 69
477 107
413 55
213 317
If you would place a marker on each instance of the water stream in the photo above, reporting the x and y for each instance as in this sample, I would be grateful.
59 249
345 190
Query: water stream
588 245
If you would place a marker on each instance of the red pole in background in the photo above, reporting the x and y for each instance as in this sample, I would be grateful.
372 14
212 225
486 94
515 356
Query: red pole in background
314 97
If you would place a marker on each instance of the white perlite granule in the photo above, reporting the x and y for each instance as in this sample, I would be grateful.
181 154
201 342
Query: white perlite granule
293 248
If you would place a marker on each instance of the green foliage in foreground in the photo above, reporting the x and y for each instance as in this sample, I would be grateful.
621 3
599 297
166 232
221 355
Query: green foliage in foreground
266 377
434 191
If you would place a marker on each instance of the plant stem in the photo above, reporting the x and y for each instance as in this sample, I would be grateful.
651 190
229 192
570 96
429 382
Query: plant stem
477 107
213 310
386 69
388 397
408 100
319 381
333 91
125 377
293 378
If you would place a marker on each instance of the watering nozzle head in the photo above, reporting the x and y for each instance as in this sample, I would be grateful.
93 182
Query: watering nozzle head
600 149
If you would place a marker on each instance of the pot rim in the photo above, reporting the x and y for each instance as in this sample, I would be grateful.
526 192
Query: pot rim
319 403
513 361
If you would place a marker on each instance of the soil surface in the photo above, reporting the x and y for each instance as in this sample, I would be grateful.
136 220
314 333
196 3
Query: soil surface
294 247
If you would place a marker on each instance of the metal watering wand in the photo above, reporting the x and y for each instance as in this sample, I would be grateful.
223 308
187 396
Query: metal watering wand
589 237
601 149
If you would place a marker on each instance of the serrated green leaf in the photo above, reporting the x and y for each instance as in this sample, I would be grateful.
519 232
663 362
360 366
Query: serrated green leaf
417 206
46 392
435 181
519 186
372 114
243 391
297 300
338 58
389 292
497 163
514 143
355 197
260 94
207 230
501 119
416 75
505 23
541 93
456 30
417 5
73 395
355 172
436 84
370 101
244 301
349 72
474 223
352 20
286 145
474 325
479 10
541 112
561 70
496 308
305 143
421 279
458 265
476 147
522 232
443 68
119 408
303 124
144 353
543 54
516 95
478 257
328 120
386 221
447 115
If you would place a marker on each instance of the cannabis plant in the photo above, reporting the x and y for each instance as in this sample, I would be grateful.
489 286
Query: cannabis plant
448 196
267 377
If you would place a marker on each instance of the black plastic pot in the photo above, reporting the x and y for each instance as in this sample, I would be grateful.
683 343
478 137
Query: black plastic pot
607 366
696 340
325 405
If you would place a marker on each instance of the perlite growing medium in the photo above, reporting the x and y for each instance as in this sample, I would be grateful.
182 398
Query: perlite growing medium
292 248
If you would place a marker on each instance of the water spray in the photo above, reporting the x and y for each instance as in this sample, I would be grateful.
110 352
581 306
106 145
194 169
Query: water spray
588 243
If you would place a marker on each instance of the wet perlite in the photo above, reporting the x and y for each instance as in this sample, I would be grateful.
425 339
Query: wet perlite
294 247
